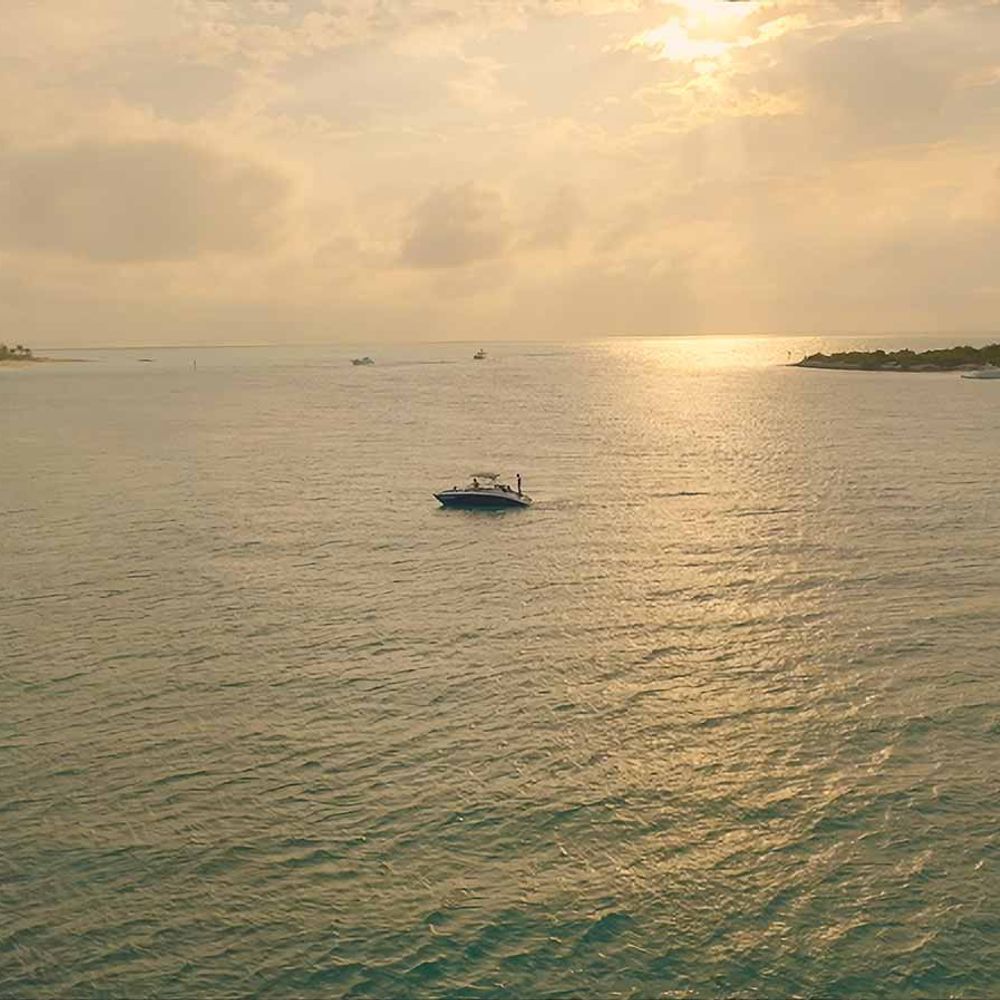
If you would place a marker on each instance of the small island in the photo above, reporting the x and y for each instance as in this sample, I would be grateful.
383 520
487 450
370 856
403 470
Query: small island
16 353
947 359
20 356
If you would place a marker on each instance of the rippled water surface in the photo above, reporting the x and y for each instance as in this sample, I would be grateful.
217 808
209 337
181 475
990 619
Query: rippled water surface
718 716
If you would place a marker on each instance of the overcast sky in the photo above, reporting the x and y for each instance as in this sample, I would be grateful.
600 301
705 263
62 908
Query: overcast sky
213 171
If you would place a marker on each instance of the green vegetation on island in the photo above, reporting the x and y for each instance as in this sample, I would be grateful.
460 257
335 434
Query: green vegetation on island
16 353
19 356
938 360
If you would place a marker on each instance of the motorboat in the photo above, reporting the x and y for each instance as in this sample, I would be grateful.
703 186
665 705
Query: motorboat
485 490
479 355
987 371
363 361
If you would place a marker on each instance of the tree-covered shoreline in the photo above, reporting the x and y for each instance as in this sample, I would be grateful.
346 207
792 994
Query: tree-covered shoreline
16 353
944 359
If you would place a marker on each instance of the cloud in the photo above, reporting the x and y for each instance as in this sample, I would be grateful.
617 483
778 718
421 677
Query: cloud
272 32
883 77
665 165
632 296
456 226
559 219
137 201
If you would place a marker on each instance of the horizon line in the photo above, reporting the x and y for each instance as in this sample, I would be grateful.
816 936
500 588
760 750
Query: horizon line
521 340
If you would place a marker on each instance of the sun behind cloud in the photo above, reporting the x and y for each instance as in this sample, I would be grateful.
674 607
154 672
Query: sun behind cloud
699 31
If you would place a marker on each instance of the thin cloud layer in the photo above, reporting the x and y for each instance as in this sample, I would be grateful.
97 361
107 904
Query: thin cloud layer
454 227
555 167
138 202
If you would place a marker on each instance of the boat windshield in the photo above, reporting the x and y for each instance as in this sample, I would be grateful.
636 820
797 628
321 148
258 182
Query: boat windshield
486 481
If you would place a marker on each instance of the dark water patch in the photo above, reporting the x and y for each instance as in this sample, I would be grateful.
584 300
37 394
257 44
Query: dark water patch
767 511
170 779
221 860
605 928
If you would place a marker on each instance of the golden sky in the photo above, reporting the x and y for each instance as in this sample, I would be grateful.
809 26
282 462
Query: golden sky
213 171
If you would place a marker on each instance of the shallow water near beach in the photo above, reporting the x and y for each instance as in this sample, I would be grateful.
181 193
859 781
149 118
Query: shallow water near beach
718 716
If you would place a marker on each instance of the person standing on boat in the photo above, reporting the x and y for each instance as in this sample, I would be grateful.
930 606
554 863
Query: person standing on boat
519 484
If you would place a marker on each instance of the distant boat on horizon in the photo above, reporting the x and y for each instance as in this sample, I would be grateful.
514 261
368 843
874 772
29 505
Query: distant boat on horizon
479 355
363 361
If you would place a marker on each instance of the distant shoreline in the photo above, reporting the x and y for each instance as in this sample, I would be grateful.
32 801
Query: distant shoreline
949 359
28 362
835 367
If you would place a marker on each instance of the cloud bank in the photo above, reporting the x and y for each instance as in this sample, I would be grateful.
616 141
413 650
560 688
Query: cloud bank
562 168
137 202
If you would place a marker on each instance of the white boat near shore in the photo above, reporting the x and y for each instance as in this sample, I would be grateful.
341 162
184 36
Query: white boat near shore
987 371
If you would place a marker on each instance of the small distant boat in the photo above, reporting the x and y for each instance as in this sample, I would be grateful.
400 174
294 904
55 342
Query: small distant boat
485 490
144 359
988 371
479 355
363 361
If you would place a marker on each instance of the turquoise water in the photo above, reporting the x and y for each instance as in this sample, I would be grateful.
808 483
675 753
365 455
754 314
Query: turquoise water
719 716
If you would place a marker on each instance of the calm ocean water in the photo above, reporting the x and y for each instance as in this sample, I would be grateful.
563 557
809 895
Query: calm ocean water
719 716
